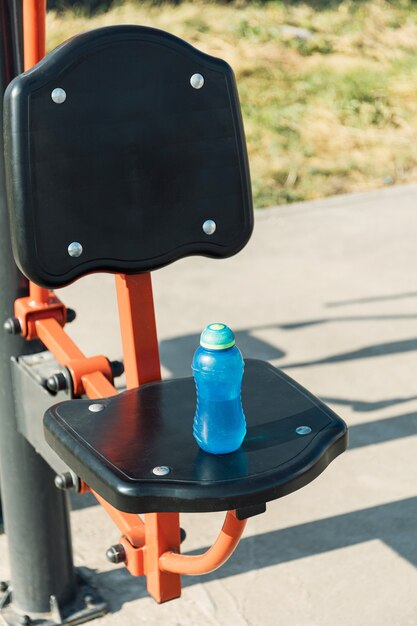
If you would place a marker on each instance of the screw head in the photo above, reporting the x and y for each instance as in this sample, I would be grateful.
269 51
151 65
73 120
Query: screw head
64 481
58 95
161 470
197 81
12 326
209 227
116 554
89 600
96 407
57 382
75 249
3 586
25 620
303 430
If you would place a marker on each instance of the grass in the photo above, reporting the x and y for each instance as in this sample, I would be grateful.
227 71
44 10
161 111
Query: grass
327 111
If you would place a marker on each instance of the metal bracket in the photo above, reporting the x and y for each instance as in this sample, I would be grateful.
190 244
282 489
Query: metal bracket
86 606
29 376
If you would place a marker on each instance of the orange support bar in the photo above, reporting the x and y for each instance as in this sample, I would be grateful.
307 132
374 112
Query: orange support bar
141 359
91 375
138 329
220 551
129 524
34 16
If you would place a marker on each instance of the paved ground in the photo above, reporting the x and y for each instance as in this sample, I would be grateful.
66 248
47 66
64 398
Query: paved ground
328 291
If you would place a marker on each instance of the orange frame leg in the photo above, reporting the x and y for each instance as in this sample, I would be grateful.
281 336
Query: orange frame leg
142 365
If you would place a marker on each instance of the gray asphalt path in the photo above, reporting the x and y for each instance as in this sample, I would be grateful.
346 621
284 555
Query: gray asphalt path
327 291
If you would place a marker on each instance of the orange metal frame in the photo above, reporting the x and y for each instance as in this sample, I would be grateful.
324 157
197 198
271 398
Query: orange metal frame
151 545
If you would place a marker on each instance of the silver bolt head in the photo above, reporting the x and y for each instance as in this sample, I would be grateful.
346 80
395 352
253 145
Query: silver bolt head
75 249
58 95
209 227
161 470
303 430
96 408
197 81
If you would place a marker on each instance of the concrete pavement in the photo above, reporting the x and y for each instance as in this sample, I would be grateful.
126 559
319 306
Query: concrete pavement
327 291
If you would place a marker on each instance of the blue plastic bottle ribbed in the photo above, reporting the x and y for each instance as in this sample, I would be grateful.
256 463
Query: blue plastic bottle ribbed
219 422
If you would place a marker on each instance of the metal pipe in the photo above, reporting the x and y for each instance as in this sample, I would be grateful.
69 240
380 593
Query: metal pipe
221 550
35 512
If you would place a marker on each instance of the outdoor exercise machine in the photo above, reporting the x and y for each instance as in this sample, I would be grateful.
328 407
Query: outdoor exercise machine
123 151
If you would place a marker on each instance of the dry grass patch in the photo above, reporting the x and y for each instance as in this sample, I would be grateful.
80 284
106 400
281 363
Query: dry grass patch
331 108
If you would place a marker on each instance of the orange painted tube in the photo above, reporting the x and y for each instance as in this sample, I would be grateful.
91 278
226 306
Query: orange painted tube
209 561
34 16
129 524
54 337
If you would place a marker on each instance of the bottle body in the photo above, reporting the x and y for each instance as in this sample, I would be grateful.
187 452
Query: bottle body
219 422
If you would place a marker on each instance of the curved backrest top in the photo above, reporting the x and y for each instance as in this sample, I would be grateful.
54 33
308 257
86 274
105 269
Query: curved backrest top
128 143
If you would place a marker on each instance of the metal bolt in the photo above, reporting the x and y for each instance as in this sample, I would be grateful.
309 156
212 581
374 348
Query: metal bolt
3 586
12 326
209 227
25 620
161 470
71 315
303 430
75 249
117 368
64 481
58 95
89 600
197 81
57 382
96 408
116 554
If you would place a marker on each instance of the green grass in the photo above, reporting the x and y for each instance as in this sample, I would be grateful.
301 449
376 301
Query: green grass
333 113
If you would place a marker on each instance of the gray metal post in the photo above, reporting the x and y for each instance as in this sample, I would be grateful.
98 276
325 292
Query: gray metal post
35 512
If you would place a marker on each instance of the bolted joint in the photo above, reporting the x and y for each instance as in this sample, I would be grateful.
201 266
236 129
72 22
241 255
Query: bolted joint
116 554
117 368
3 586
58 382
71 315
12 326
67 481
25 620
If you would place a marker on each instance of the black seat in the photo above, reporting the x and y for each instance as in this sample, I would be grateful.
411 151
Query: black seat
291 438
125 142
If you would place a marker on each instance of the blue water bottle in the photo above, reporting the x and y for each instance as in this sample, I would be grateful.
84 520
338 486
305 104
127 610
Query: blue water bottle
219 422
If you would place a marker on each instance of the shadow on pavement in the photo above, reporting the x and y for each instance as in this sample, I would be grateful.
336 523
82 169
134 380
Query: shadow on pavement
370 299
392 523
377 350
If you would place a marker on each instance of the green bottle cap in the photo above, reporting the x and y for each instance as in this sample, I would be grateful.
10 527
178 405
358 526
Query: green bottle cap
217 337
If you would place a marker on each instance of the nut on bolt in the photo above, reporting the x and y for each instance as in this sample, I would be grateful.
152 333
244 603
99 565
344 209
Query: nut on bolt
116 554
66 481
57 382
12 326
117 368
71 315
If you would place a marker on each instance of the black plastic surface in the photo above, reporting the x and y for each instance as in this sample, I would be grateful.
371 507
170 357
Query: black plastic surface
131 164
115 450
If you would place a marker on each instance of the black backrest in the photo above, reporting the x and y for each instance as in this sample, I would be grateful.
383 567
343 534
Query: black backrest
111 142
